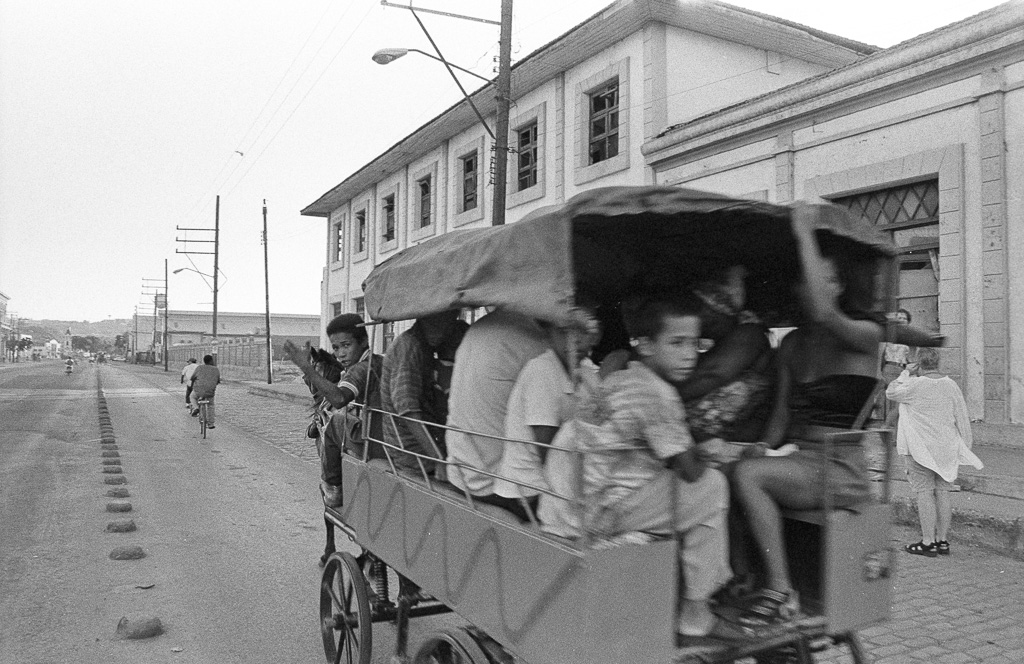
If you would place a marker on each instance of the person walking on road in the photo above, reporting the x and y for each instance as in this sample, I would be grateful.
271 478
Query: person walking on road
934 437
186 379
205 379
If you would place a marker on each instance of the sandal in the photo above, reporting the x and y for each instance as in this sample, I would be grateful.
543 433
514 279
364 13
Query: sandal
942 547
922 549
771 608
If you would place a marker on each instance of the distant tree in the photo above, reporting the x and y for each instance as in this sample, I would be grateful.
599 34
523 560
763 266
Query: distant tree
89 343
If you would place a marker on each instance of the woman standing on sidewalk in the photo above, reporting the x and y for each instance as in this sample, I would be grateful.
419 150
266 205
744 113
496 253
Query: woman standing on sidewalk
934 437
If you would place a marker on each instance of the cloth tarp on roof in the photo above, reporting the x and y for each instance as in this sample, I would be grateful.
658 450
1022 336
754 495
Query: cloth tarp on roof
600 246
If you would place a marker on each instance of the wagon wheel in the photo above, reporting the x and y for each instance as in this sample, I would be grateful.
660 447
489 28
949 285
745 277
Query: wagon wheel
345 622
451 646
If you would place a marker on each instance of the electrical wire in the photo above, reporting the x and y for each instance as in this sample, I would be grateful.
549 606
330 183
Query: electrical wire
302 100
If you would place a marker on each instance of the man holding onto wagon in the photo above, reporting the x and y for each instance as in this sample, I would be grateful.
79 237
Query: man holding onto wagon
358 383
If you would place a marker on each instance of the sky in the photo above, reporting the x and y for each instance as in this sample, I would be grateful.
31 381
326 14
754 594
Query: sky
121 121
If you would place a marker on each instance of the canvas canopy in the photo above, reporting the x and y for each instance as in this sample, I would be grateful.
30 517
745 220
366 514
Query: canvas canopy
604 245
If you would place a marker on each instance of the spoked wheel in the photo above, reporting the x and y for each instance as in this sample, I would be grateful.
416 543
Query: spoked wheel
451 646
345 612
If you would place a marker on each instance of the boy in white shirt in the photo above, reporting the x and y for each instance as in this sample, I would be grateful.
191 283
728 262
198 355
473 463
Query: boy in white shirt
541 401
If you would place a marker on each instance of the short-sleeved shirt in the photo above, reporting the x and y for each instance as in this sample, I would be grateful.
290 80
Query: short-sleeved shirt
541 396
189 369
645 412
204 380
487 364
363 380
406 386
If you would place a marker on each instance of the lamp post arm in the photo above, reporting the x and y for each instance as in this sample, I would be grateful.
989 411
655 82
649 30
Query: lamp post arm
448 66
486 80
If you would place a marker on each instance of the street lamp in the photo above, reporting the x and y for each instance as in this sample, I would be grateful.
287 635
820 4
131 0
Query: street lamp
502 89
214 288
386 56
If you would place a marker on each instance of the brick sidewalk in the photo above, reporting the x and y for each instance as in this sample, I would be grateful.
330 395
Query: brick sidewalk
280 423
950 610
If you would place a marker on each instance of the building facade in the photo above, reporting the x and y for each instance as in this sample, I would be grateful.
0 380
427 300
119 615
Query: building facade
6 329
186 328
924 138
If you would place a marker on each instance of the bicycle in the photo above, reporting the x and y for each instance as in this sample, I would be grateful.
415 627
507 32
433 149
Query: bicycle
203 403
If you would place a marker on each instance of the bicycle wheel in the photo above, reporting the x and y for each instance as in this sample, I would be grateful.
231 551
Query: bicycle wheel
202 419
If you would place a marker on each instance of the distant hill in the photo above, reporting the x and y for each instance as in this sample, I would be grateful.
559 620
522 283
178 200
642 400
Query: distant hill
45 329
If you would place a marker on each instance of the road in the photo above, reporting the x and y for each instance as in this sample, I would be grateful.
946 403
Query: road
231 531
229 527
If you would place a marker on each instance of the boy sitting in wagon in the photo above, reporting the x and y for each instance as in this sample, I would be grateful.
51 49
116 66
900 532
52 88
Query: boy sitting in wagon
638 454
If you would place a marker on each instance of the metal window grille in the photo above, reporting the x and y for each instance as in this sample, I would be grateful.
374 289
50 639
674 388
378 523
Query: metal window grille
527 156
389 218
360 231
469 182
425 210
909 215
604 123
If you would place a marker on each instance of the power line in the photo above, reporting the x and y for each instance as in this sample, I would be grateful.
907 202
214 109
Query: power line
301 101
217 181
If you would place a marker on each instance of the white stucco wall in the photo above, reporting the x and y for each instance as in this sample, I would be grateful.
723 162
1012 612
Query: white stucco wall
706 73
1015 242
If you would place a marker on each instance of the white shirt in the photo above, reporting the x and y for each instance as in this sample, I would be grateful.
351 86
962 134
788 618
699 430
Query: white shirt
541 396
934 426
487 363
187 372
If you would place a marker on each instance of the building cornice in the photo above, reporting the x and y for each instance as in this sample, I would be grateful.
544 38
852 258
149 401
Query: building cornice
896 69
596 34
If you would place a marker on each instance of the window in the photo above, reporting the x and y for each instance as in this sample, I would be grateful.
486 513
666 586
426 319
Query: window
389 217
424 209
527 164
469 180
909 214
604 122
339 241
359 304
361 231
335 309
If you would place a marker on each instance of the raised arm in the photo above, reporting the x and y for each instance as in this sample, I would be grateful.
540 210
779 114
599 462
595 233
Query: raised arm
821 301
337 396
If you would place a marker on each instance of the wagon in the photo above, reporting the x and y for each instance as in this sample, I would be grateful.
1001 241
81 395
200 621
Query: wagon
531 597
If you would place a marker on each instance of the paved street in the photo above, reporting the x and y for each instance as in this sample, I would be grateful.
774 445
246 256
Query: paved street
231 530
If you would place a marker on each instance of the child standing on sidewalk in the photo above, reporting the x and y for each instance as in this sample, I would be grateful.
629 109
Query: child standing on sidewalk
934 437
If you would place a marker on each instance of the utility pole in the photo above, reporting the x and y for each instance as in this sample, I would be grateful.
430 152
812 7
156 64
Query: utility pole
266 283
167 313
504 95
153 287
135 338
216 263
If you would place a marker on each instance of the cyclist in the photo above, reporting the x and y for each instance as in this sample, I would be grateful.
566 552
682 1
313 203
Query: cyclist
204 386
